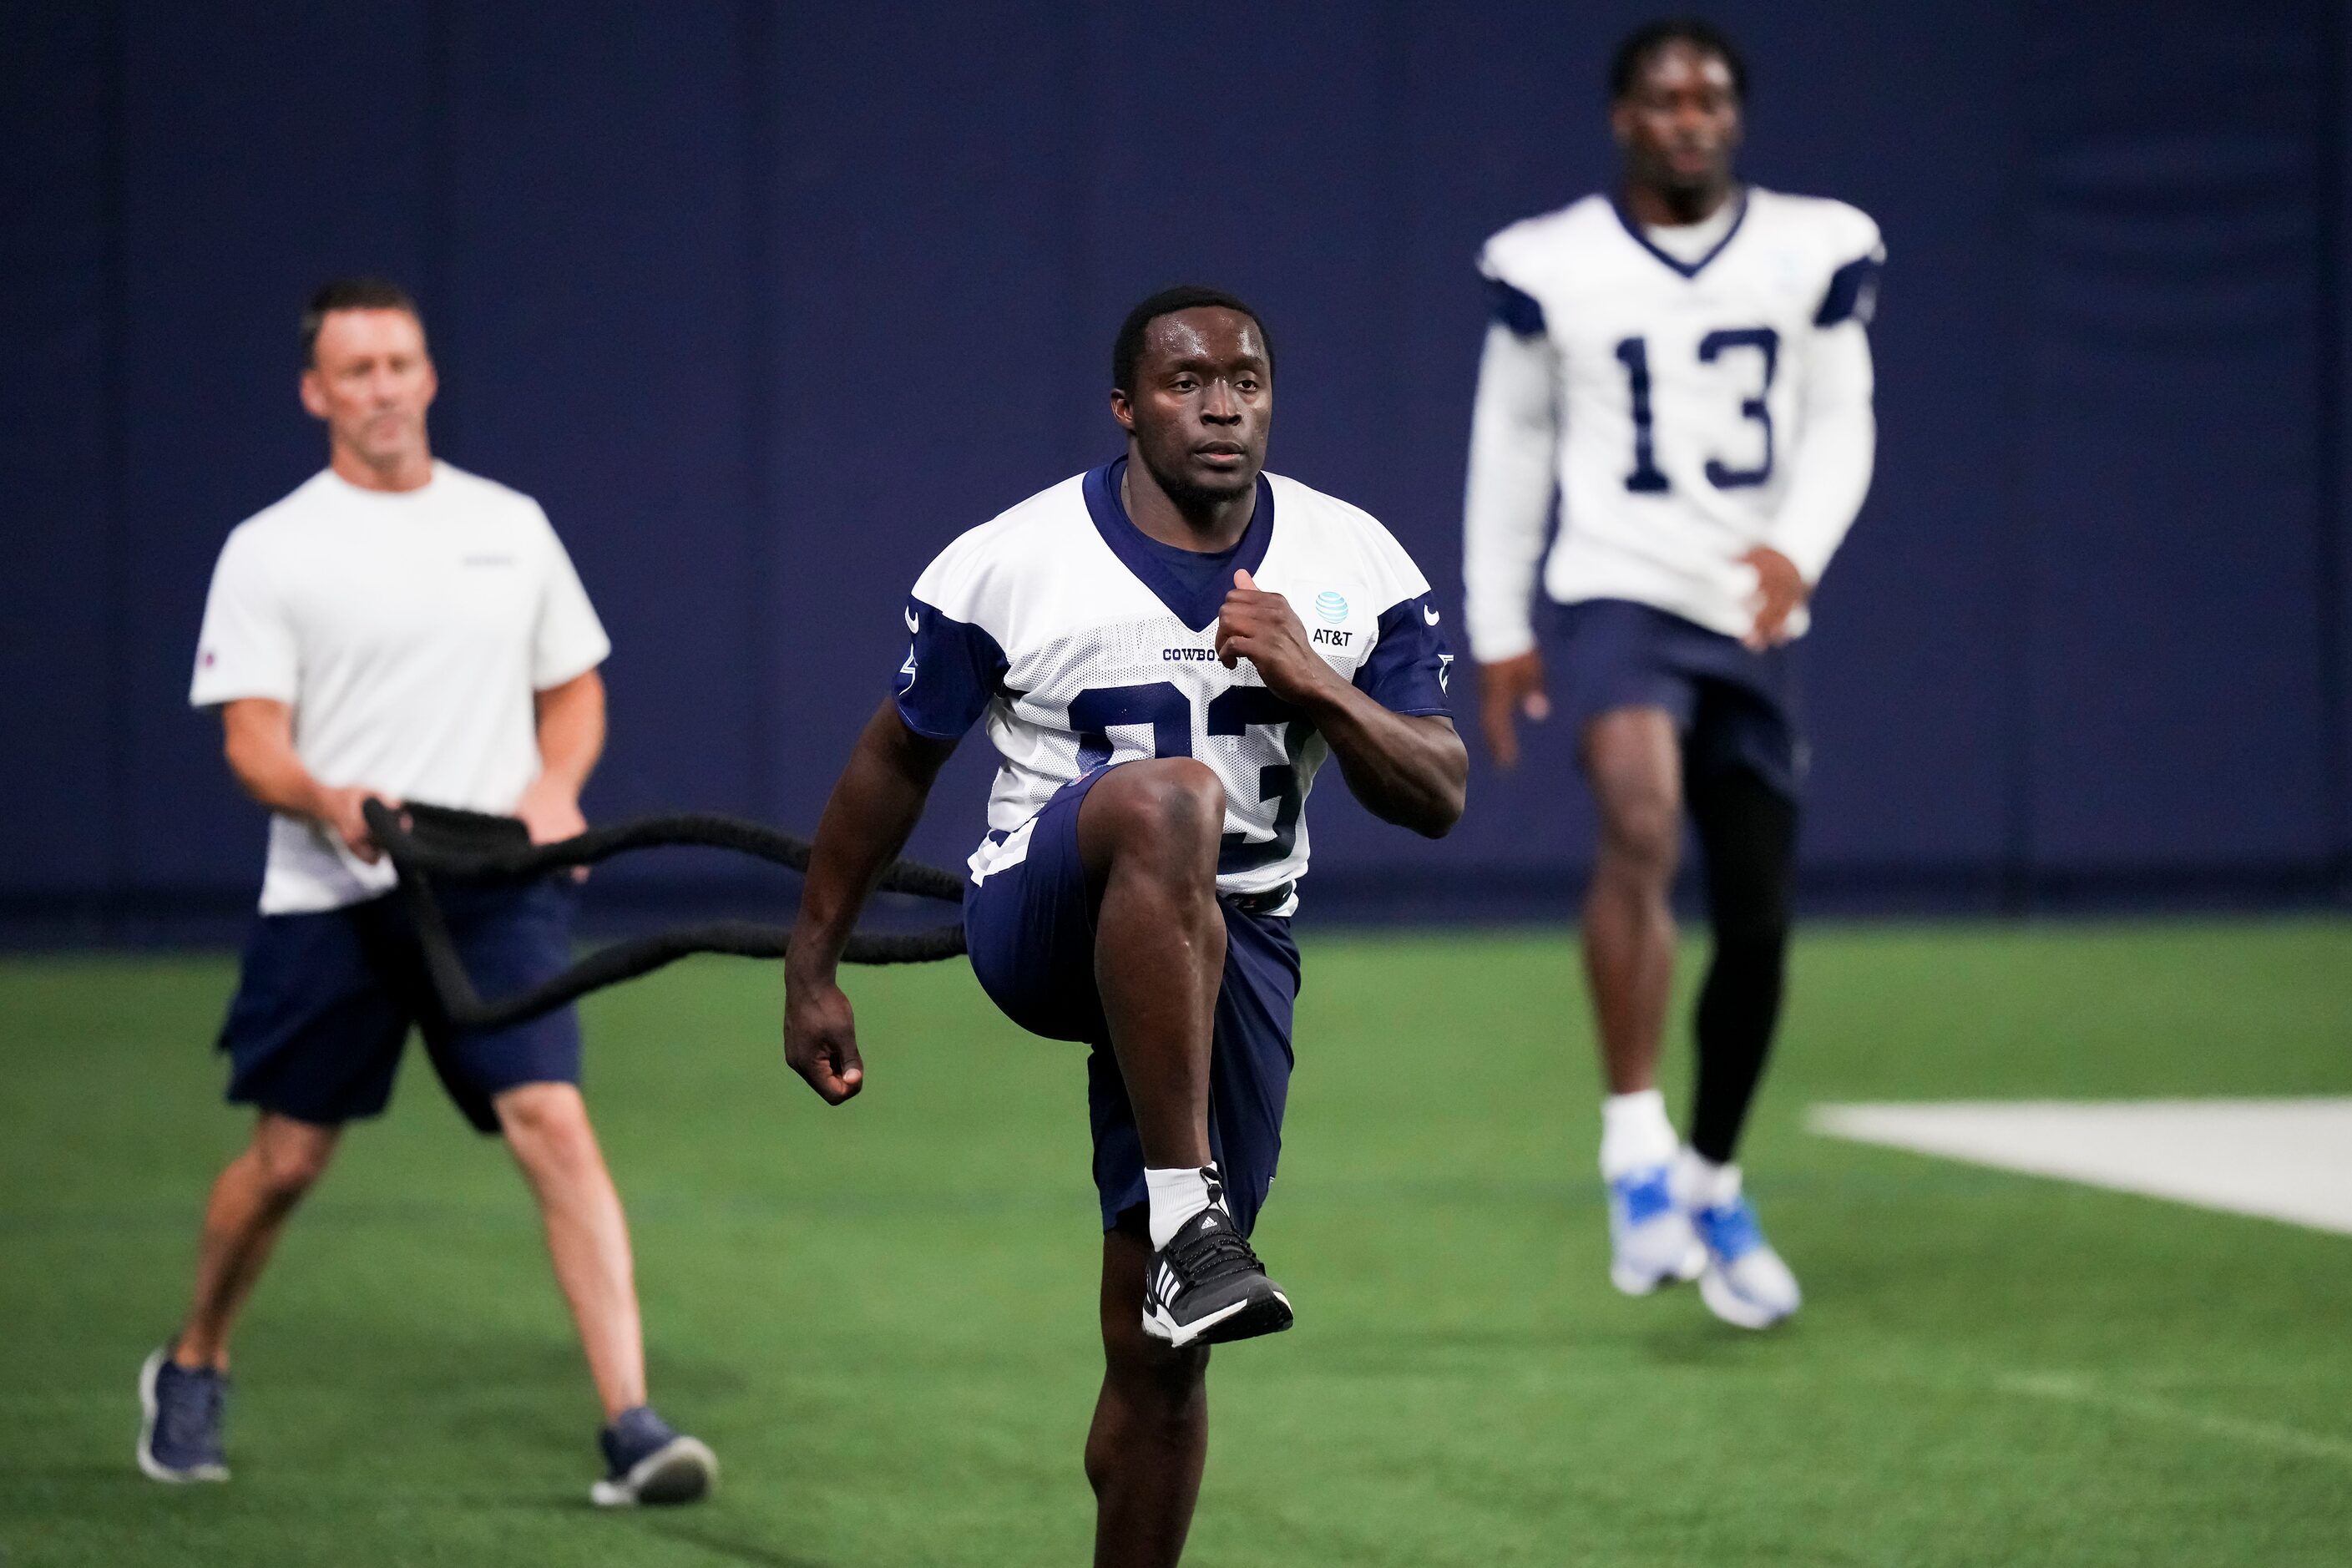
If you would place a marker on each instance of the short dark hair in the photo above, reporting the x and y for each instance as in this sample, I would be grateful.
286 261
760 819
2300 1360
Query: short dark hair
352 294
1626 64
1129 345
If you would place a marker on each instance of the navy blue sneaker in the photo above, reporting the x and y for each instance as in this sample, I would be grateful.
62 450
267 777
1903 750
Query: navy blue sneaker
651 1464
180 1421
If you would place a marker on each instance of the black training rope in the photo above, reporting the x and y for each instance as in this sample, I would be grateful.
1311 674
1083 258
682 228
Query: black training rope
427 841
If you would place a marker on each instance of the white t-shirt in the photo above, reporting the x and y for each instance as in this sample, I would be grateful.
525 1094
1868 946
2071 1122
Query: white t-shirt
1082 642
408 631
1689 394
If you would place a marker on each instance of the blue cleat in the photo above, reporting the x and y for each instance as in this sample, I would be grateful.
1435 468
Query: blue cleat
1650 1236
1745 1283
649 1463
180 1421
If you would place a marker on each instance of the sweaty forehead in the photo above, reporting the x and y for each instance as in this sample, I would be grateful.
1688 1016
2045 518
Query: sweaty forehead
1212 332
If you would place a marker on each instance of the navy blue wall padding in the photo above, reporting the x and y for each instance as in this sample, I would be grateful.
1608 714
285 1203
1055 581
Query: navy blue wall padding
2173 372
60 610
768 304
2334 470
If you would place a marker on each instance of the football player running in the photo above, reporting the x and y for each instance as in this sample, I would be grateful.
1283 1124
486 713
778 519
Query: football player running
1686 363
1164 651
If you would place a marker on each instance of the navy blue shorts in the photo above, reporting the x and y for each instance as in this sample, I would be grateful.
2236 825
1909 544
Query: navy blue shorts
325 1002
1734 708
1031 929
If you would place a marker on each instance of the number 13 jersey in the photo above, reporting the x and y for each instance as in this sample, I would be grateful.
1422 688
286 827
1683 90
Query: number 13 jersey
1681 402
1083 643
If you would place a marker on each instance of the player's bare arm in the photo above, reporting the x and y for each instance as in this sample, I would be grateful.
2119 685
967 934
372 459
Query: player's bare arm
875 805
570 725
258 737
1407 769
1515 439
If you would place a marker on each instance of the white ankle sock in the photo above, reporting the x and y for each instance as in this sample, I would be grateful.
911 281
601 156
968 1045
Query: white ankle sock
1701 1183
1177 1195
1634 1133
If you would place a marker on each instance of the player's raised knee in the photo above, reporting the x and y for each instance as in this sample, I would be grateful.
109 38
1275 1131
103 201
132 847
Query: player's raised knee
1171 805
1186 795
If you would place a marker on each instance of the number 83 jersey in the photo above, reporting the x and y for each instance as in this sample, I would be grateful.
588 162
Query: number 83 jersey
1085 643
1682 386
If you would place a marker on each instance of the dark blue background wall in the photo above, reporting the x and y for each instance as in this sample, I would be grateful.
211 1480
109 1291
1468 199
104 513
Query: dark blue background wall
766 302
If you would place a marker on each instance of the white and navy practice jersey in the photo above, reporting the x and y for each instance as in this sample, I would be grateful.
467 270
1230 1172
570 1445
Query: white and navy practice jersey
1687 407
1084 642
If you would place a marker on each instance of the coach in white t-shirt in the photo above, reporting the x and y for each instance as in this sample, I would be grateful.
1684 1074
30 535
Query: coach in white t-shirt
400 629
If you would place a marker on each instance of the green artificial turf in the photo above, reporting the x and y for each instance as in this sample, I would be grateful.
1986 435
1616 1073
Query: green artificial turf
882 1316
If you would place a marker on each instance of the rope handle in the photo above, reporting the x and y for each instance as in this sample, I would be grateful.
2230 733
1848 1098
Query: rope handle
425 841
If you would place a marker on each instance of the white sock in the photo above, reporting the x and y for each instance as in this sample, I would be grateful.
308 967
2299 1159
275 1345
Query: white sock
1634 1133
1177 1195
1701 1183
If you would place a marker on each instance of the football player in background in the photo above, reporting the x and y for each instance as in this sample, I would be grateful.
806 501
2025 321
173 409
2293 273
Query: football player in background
1164 651
1686 363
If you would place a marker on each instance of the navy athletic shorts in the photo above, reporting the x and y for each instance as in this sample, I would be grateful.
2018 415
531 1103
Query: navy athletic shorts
1031 929
325 1001
1734 708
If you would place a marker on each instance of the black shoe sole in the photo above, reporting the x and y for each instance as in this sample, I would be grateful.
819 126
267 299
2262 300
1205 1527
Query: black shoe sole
1270 1315
681 1480
684 1470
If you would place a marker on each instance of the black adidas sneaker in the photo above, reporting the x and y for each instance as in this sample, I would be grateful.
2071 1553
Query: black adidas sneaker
1206 1287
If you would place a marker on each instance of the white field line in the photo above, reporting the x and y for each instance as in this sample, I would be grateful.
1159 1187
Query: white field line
2063 1389
2280 1159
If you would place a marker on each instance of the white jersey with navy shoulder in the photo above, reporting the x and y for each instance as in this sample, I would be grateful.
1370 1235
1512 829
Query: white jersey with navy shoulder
1688 408
1060 623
